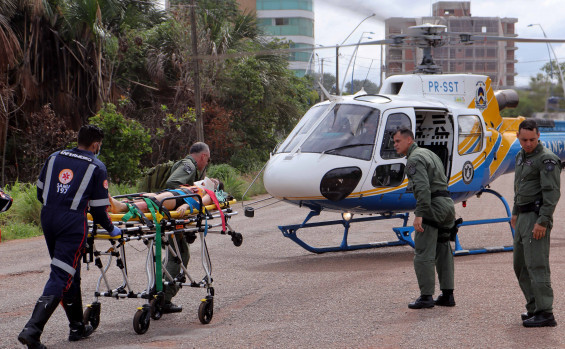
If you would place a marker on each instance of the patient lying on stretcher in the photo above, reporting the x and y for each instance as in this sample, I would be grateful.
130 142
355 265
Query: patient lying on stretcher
181 205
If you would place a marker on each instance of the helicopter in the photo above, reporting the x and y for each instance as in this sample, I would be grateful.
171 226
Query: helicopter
340 156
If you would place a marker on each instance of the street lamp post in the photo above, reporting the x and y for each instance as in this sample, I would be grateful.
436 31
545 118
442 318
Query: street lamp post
554 56
337 53
355 59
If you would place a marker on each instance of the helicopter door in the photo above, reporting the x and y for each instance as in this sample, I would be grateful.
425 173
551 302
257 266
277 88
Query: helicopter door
434 131
470 146
388 166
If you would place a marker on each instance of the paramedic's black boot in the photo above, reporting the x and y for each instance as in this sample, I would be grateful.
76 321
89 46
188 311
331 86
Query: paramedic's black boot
445 299
43 310
169 308
73 309
424 301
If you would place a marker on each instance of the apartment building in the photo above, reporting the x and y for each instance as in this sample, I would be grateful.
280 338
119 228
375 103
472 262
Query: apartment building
495 59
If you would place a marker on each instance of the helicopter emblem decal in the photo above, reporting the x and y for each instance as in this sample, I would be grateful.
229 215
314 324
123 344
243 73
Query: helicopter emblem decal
480 98
468 172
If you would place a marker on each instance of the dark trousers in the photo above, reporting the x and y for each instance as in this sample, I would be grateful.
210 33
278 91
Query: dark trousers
65 234
531 264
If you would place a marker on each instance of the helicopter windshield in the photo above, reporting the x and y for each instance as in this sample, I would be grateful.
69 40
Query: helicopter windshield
347 130
304 125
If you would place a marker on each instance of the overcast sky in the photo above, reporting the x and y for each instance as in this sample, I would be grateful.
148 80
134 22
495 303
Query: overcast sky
336 19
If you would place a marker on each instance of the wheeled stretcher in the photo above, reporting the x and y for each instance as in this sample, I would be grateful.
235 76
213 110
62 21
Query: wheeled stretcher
156 230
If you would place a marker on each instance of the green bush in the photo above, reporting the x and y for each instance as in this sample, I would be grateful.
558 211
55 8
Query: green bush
233 184
249 160
125 142
25 208
23 219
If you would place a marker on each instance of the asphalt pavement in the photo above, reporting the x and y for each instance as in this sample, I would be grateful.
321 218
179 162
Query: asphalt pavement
271 293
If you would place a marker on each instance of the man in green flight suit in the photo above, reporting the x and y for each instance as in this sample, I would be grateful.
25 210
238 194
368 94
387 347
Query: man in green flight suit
426 176
187 171
536 193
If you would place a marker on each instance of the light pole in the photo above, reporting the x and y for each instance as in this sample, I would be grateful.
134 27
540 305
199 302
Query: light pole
355 59
337 53
554 55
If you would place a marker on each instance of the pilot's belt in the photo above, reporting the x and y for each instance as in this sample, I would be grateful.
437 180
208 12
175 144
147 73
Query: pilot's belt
531 207
443 193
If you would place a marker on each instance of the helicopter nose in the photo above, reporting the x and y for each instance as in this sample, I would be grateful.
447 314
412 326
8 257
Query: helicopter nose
338 183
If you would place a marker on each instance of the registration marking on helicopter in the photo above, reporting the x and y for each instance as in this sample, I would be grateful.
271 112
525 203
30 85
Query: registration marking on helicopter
444 86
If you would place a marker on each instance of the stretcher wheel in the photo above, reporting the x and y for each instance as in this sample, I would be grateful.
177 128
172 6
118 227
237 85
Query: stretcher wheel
92 315
237 239
156 308
206 310
141 320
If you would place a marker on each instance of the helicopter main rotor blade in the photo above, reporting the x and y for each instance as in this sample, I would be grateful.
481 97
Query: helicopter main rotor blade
479 38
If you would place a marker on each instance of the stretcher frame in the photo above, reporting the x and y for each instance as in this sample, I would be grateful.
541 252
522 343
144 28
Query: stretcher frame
156 229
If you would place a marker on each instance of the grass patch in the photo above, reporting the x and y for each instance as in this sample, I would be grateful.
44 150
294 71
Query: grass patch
18 230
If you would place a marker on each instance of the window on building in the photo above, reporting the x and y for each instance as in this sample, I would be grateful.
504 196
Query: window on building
469 66
395 54
282 21
491 52
491 66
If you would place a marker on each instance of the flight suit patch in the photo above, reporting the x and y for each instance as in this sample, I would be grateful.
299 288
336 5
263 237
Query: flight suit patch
187 169
411 169
549 164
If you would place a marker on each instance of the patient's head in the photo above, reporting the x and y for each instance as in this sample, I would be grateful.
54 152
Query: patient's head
218 184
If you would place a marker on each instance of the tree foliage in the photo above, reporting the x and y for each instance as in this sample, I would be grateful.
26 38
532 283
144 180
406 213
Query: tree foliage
125 142
87 56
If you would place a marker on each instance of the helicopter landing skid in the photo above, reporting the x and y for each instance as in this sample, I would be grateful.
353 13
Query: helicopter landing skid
404 233
289 231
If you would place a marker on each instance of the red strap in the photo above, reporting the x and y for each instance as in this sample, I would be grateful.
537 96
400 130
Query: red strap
215 200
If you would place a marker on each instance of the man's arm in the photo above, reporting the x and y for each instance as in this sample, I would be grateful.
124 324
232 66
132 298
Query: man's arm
421 187
99 201
550 183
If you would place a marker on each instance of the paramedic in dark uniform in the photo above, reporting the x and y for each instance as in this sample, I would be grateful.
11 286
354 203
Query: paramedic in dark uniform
184 172
536 193
71 182
434 213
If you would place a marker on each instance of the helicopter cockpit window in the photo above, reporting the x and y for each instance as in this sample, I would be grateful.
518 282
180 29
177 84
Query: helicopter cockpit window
303 126
470 134
347 130
393 122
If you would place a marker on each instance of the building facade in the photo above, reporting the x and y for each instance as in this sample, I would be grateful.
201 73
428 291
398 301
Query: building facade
289 20
495 59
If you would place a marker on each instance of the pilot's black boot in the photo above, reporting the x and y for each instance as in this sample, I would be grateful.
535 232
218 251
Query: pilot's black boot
445 299
73 309
43 310
540 319
526 315
424 301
